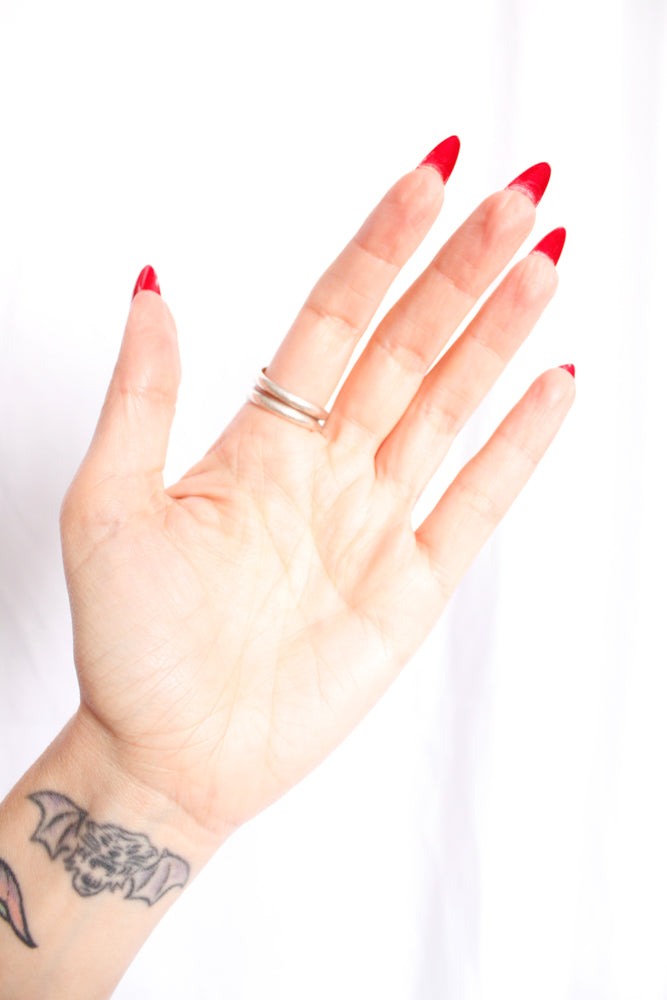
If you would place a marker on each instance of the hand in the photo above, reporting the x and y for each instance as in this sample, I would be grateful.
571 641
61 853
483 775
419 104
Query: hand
231 630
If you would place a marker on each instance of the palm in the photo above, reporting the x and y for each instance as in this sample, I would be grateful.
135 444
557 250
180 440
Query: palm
231 630
259 579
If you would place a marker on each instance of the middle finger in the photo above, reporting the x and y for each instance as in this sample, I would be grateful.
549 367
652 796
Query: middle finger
411 335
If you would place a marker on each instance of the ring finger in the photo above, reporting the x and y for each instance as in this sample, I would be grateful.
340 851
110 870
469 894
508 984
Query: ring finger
456 385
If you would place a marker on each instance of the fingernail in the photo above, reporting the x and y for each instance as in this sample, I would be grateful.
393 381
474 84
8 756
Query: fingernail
568 368
533 182
147 281
552 244
443 157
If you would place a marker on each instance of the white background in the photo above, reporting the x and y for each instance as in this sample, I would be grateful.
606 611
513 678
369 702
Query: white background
497 826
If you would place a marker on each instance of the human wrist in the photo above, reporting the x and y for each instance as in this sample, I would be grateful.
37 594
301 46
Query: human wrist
121 786
88 856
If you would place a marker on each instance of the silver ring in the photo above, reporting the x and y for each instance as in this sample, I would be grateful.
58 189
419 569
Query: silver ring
296 402
272 397
282 410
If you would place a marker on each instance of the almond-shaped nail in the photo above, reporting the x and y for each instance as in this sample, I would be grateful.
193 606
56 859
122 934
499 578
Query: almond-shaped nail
552 244
443 157
568 368
533 182
147 281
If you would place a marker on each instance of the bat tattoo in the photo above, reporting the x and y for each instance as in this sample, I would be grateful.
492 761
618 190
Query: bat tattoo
102 856
11 904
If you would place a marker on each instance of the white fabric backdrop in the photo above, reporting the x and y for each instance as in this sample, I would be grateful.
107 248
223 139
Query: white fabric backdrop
497 826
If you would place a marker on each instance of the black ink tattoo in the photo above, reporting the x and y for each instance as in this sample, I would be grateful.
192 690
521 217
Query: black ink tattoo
102 856
11 904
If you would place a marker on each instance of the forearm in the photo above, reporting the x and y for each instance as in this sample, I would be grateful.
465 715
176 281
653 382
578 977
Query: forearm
90 862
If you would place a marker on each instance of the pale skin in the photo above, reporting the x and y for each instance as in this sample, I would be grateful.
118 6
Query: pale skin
232 628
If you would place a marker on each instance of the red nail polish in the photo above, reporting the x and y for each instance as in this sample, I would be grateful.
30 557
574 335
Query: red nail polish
533 182
568 368
552 244
147 281
443 157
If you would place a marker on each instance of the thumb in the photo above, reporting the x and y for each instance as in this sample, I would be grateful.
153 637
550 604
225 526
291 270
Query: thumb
130 441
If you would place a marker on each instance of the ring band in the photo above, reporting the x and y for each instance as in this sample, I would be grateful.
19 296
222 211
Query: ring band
296 402
272 397
282 410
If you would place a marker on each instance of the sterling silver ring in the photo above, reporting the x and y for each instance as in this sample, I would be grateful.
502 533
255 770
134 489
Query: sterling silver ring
296 402
272 397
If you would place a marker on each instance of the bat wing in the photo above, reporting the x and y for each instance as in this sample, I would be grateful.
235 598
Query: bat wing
168 871
11 905
59 822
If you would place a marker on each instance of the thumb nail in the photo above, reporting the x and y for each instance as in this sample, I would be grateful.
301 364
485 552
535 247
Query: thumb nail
147 281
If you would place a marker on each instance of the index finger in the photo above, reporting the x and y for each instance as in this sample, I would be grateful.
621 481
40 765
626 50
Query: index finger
316 349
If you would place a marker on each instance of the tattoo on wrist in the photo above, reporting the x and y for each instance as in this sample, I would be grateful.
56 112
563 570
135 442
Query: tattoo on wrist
101 856
11 904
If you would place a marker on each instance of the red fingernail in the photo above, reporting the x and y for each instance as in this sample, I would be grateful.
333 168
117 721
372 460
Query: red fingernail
552 244
147 281
443 157
533 182
568 368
